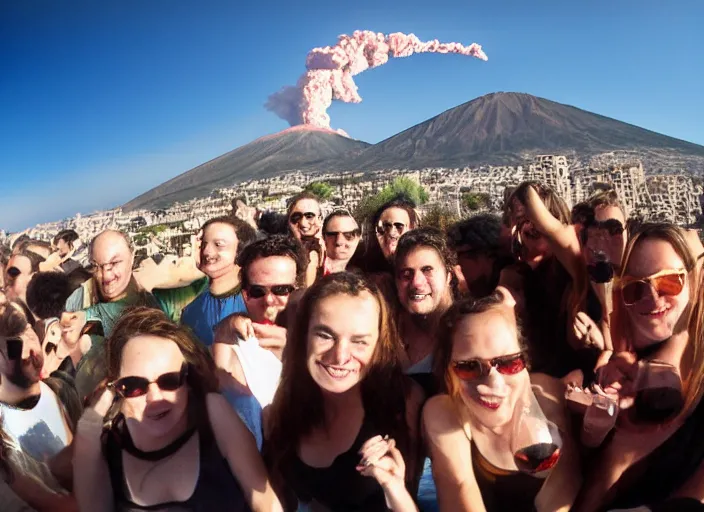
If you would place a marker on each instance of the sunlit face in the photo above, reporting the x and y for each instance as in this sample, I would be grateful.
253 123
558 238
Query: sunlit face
218 250
23 371
305 218
158 413
490 399
271 277
71 324
18 274
112 262
606 238
393 223
654 317
342 337
422 281
341 238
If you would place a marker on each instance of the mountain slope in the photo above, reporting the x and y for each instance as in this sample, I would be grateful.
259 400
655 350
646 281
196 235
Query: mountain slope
504 128
295 148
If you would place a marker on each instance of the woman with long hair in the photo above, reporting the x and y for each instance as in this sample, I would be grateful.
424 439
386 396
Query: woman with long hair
472 429
161 437
382 233
656 453
342 431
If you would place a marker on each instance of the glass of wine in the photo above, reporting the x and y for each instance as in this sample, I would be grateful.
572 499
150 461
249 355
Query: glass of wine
659 394
536 442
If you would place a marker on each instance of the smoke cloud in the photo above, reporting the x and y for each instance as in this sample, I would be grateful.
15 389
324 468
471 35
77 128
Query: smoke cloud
330 71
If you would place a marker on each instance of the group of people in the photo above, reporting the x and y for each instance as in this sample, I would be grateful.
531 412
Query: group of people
543 359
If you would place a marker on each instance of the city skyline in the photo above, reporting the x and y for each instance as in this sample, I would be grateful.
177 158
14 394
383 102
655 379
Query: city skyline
103 103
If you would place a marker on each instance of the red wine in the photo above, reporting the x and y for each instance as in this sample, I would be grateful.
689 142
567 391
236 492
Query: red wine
656 405
537 457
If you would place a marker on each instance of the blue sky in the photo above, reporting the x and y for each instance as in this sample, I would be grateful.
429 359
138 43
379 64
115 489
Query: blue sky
100 101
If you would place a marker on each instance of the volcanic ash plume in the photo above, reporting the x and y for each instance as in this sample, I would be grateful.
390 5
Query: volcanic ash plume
330 72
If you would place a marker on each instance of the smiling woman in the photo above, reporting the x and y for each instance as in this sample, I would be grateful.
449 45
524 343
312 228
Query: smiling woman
344 412
170 440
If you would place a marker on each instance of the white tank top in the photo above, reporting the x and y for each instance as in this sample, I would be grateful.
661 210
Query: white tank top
39 432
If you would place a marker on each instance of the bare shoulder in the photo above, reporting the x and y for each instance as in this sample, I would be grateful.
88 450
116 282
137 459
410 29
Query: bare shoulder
440 417
550 393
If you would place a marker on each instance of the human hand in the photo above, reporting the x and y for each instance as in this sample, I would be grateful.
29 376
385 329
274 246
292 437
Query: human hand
382 461
587 332
233 327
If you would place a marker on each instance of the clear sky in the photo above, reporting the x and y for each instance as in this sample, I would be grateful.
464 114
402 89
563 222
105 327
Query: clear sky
102 100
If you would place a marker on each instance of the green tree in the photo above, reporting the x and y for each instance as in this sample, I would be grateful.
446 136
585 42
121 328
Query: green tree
476 201
322 189
399 187
440 217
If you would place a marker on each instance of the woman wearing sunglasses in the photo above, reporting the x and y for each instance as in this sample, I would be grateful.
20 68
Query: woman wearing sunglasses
160 437
304 216
656 451
471 430
384 229
342 431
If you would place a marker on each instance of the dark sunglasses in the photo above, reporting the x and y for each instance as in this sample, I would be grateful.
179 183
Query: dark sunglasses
667 283
349 235
295 218
14 348
612 226
13 272
256 291
386 227
473 369
132 387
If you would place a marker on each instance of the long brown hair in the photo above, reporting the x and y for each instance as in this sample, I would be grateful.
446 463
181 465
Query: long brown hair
693 379
621 331
298 406
140 321
442 365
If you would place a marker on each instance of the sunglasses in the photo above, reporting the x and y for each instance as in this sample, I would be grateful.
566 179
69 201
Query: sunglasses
386 227
132 387
13 272
14 348
474 369
666 283
611 226
257 291
295 218
349 235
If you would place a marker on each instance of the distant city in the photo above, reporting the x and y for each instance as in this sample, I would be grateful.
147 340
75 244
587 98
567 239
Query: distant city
664 197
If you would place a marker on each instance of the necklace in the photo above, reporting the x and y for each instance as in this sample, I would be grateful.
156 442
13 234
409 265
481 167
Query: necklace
162 453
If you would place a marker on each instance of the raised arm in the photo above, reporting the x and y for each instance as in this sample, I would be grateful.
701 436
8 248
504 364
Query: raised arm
238 446
563 239
92 487
451 455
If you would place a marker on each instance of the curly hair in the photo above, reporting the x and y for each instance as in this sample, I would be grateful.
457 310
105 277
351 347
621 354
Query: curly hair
47 293
276 245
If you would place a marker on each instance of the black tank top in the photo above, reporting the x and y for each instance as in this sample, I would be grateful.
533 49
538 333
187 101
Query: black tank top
216 490
339 487
654 478
504 490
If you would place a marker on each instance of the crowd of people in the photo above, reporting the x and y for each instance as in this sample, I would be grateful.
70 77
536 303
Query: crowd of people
544 359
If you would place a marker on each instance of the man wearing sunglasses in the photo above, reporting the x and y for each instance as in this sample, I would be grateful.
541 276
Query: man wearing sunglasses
30 413
222 239
341 234
271 270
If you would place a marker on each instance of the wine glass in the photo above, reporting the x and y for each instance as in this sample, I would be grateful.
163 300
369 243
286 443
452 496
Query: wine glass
536 442
659 394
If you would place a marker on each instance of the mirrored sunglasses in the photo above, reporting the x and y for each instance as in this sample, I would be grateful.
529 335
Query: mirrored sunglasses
349 235
666 283
473 369
386 227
